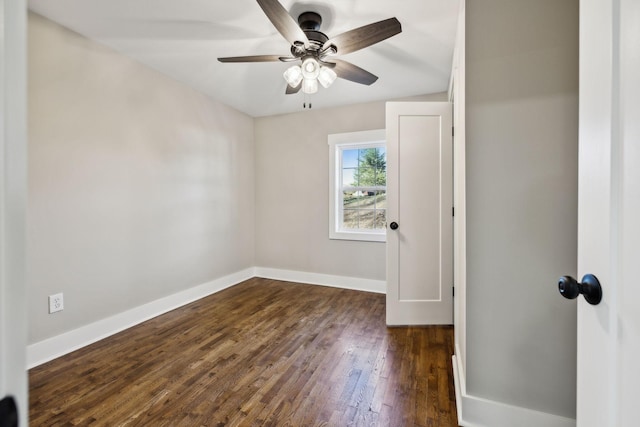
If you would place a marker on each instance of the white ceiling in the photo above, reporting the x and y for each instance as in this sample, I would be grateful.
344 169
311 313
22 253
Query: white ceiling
184 38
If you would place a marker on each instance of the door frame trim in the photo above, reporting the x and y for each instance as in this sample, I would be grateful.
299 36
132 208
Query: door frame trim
13 202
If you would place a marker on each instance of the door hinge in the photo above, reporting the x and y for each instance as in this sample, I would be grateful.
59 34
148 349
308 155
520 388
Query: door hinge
453 291
453 133
453 211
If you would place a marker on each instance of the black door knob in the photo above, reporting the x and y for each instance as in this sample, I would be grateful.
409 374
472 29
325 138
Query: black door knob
590 288
8 412
394 225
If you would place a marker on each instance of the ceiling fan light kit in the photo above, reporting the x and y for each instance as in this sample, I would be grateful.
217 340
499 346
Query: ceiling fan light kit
309 75
316 51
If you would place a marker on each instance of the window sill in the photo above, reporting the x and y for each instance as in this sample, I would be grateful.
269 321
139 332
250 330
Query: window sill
358 236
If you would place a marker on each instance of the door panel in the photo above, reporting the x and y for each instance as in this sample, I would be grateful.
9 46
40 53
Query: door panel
419 183
609 212
420 213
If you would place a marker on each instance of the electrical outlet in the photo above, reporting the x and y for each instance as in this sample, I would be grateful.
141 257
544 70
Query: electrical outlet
56 303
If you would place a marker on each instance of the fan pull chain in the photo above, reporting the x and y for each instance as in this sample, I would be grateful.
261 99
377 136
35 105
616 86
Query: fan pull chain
304 103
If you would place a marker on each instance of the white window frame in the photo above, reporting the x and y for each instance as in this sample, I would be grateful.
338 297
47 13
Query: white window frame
346 141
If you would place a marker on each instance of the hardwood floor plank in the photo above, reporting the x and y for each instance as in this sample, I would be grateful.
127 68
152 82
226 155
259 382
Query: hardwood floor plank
261 353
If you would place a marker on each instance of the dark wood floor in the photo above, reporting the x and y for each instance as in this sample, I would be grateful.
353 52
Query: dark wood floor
263 352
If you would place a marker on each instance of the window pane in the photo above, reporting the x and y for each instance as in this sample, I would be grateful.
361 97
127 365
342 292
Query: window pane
380 177
380 220
364 210
367 217
368 199
364 219
381 200
356 199
381 166
372 166
350 158
362 154
366 176
348 177
349 199
350 219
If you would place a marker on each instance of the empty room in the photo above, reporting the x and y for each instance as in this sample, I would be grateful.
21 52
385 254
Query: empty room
289 213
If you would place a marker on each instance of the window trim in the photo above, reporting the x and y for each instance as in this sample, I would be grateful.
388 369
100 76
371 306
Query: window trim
342 141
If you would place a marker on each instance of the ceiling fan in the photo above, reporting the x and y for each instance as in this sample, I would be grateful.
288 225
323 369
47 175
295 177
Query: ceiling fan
316 51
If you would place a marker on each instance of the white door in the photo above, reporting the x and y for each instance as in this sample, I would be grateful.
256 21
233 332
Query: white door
13 329
609 212
419 214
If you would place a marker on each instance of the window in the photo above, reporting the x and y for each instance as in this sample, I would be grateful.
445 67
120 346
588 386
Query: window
358 186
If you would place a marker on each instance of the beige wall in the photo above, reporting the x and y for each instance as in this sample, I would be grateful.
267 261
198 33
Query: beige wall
292 192
522 160
139 187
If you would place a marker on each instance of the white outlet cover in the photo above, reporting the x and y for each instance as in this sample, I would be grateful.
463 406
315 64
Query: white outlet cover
56 303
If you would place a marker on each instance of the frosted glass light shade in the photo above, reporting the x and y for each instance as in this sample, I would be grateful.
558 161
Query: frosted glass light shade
293 75
326 77
310 69
310 85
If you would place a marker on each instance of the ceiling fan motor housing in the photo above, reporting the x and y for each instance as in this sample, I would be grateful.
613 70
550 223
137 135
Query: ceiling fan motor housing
310 23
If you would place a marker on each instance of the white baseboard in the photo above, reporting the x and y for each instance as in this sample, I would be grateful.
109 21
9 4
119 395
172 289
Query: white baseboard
51 348
355 283
478 412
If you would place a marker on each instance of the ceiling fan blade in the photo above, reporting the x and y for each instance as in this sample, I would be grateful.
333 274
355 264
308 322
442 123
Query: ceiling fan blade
284 23
253 58
291 90
348 71
362 37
